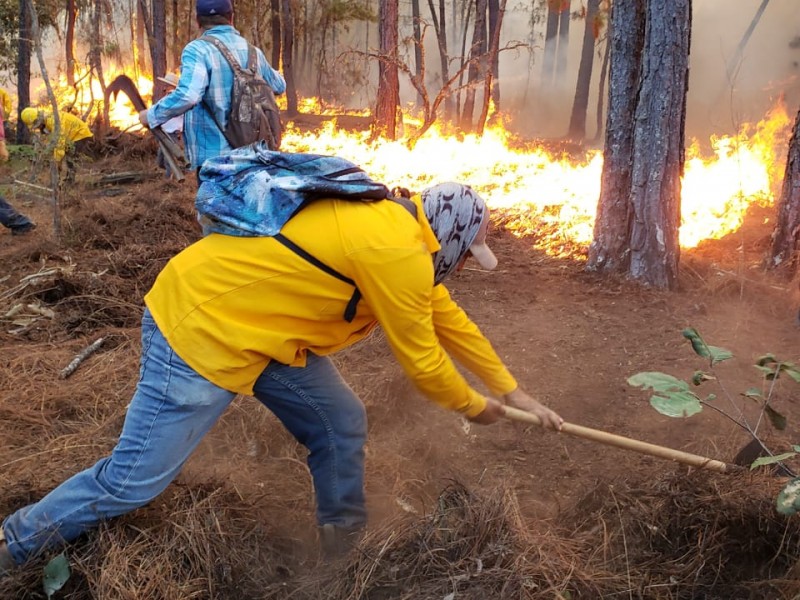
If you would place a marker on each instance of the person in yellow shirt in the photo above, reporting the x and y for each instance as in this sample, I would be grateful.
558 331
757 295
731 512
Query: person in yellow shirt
72 138
5 113
258 316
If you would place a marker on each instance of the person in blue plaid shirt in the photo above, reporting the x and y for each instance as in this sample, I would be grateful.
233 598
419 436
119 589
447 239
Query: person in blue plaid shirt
206 83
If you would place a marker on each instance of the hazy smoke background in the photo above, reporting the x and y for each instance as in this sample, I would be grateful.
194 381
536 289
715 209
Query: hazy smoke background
768 68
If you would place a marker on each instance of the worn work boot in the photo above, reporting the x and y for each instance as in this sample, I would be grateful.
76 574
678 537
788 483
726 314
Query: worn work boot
7 563
336 542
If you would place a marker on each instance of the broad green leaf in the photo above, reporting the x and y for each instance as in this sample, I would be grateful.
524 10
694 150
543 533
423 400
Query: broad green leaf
676 404
791 370
788 502
699 377
754 393
714 353
769 460
766 359
770 373
658 382
56 574
796 448
777 419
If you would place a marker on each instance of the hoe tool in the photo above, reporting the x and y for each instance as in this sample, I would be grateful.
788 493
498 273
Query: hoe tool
173 154
610 439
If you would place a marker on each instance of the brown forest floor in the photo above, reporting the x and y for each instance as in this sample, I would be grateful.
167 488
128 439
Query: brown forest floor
505 511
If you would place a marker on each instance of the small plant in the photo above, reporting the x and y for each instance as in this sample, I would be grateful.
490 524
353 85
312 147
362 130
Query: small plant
674 397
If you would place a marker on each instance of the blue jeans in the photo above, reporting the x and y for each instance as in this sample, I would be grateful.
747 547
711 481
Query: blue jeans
10 217
172 409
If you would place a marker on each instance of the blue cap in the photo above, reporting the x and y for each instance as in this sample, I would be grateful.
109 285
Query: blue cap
206 8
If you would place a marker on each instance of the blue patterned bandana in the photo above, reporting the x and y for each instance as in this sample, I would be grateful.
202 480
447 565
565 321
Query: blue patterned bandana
455 213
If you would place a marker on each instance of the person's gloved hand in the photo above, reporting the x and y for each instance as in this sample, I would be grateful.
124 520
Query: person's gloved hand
520 399
143 118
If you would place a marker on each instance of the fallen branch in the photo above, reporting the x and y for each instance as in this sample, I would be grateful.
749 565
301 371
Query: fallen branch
80 357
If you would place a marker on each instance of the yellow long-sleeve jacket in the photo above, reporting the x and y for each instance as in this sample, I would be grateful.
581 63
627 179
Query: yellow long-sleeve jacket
72 130
5 101
228 305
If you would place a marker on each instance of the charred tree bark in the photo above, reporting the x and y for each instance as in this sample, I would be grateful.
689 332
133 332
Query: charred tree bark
601 88
580 106
550 40
416 26
477 55
158 46
490 81
176 38
24 70
496 12
275 5
786 237
636 231
141 53
287 54
69 40
388 100
440 27
562 56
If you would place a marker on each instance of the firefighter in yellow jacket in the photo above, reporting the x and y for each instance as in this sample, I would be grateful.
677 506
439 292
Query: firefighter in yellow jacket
72 137
5 113
250 315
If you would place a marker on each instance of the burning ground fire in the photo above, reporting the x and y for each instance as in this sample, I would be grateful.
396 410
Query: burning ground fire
553 196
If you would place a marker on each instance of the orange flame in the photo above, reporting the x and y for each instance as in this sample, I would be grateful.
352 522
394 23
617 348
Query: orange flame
539 192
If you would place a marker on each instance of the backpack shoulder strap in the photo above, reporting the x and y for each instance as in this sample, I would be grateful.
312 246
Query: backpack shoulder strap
225 51
252 59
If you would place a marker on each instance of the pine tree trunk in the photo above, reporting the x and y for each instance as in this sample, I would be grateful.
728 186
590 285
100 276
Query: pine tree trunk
580 106
158 46
388 99
786 238
287 56
636 230
23 70
275 22
69 41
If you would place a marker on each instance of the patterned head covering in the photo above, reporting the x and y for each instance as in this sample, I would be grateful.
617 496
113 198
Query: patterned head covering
456 213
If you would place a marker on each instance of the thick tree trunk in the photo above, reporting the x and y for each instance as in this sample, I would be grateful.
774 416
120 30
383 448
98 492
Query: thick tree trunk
601 87
580 106
23 70
562 55
490 81
440 27
477 55
388 99
275 21
69 41
550 40
141 52
287 50
495 23
158 46
177 47
786 238
417 29
636 230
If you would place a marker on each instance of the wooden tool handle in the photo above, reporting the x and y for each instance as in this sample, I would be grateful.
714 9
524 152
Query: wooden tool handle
610 439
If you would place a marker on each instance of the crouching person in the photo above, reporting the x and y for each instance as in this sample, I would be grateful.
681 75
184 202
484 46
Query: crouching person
208 335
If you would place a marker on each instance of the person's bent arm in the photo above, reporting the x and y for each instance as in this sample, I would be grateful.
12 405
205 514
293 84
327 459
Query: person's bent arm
464 341
396 284
189 92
